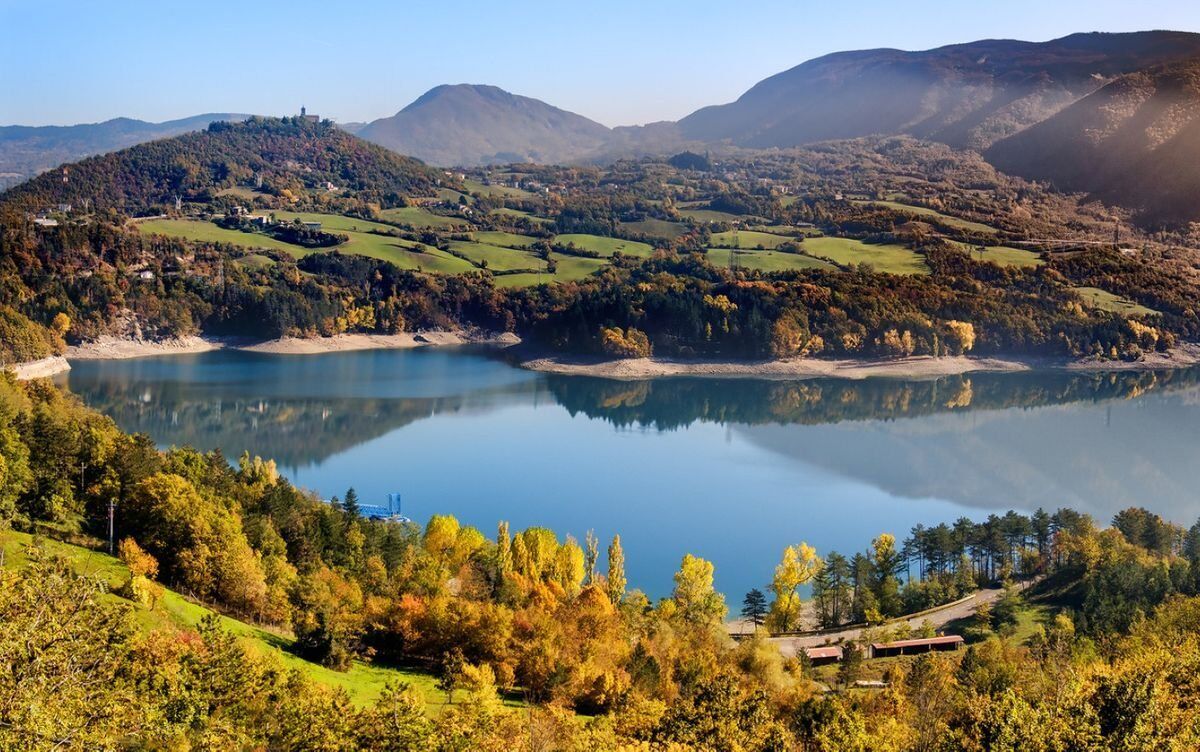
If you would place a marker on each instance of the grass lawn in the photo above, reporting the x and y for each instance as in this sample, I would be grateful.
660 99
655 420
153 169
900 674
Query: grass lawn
606 247
749 239
518 213
206 232
657 228
503 239
1004 255
767 261
498 258
894 259
363 681
415 216
334 223
962 224
1094 297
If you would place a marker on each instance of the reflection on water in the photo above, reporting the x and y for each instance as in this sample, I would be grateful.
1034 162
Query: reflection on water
731 469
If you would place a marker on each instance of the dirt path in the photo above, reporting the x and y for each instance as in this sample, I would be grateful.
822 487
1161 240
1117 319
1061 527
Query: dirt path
940 617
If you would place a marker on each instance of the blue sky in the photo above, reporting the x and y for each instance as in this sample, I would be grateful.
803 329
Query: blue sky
618 62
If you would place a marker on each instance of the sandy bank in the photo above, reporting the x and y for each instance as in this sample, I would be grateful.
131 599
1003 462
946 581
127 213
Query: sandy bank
42 368
112 348
922 367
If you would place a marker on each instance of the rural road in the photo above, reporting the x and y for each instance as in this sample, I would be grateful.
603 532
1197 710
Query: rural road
790 644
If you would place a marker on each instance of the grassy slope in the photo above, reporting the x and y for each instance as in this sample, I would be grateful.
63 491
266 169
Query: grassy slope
749 239
415 216
962 224
1004 255
767 261
498 258
363 681
1106 301
606 247
657 228
207 232
894 259
503 239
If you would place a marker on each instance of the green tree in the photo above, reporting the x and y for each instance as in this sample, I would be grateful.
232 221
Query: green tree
754 607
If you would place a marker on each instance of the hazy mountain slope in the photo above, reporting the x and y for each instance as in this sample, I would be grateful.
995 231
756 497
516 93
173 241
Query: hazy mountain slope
967 95
471 125
28 150
289 153
1134 142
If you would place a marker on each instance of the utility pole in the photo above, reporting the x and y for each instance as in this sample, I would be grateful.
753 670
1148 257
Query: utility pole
112 507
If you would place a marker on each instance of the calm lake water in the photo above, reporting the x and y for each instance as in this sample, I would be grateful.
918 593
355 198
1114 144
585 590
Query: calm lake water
731 470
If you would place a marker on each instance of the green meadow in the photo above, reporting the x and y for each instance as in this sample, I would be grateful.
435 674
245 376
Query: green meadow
505 239
415 216
657 228
1003 255
962 224
206 232
893 259
606 247
1104 300
767 261
498 258
749 239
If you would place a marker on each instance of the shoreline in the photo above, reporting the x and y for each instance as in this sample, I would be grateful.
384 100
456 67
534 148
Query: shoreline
915 367
633 369
114 348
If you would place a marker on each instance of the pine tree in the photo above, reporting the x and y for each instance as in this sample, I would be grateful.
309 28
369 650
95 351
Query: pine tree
754 607
350 504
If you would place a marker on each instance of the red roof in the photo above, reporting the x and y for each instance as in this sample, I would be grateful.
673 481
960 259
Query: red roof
944 640
829 652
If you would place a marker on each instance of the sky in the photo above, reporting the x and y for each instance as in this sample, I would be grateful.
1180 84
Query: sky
619 62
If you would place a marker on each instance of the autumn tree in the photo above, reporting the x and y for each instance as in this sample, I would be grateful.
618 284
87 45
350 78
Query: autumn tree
800 563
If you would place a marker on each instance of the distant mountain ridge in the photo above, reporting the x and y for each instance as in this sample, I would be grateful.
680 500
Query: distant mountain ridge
966 95
468 125
27 150
1134 142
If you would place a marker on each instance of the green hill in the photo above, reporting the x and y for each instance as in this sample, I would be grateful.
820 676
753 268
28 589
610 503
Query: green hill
288 154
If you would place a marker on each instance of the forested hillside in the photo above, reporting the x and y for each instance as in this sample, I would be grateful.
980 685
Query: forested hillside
286 154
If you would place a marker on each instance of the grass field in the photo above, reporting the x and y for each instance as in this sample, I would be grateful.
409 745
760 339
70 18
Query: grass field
518 213
962 224
498 258
766 261
569 268
894 259
503 239
415 216
749 239
657 228
711 215
1004 255
207 232
1104 300
363 682
503 191
405 254
606 247
255 261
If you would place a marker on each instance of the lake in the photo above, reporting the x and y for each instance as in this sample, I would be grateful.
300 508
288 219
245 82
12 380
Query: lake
729 469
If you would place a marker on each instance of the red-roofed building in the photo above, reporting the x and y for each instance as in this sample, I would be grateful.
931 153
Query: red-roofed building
912 647
823 655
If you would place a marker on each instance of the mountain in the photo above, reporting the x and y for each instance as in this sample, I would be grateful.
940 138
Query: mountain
467 125
292 153
1134 142
966 95
27 150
